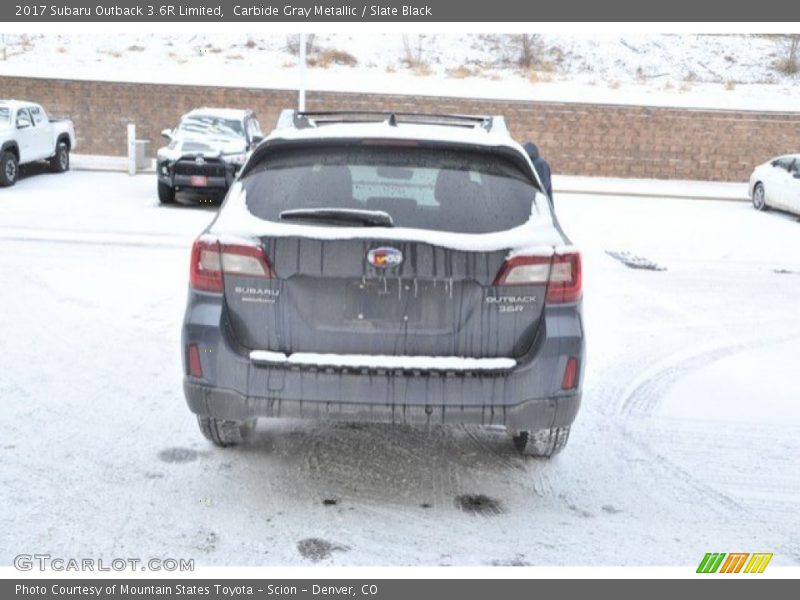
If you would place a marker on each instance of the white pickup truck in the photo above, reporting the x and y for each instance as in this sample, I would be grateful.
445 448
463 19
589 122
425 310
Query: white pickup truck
28 135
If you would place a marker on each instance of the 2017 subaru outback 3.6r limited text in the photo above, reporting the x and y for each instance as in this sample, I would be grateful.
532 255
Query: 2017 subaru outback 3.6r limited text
386 267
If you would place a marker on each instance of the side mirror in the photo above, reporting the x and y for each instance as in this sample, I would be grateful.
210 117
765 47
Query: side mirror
166 134
256 140
23 122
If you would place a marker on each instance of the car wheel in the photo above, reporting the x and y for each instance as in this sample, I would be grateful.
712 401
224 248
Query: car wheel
223 433
166 194
60 160
543 443
759 197
9 169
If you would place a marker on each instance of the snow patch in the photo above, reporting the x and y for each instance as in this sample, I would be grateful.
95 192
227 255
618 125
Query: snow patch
681 70
381 361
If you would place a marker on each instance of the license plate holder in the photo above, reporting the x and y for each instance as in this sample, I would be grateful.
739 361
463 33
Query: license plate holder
381 302
198 181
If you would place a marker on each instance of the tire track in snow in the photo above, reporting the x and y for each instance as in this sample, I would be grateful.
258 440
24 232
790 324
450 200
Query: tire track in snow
500 449
384 469
479 439
627 435
759 496
643 396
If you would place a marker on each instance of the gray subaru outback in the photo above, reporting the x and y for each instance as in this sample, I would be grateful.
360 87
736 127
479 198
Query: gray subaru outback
388 267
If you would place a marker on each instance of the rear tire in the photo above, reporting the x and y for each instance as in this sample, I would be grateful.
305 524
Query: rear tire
221 432
9 169
759 197
543 443
166 194
59 163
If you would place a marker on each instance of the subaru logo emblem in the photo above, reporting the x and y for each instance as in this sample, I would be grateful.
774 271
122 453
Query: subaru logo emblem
385 257
199 160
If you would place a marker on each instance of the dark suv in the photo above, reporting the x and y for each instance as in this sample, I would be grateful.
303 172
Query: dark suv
386 267
205 151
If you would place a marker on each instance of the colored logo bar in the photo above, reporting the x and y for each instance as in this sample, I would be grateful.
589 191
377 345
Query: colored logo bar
734 562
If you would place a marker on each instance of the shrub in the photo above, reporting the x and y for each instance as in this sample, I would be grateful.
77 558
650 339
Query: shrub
414 52
461 72
788 61
326 58
293 44
529 49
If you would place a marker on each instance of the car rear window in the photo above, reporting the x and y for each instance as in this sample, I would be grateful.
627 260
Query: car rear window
428 188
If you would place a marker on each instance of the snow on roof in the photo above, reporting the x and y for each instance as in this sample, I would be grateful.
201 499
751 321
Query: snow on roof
15 104
224 113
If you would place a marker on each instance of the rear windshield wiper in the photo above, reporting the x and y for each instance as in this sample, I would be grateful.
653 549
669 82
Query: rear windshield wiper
367 218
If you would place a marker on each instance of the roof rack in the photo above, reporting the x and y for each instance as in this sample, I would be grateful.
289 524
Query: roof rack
313 119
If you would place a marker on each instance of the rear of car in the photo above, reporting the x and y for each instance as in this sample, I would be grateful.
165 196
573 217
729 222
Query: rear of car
392 271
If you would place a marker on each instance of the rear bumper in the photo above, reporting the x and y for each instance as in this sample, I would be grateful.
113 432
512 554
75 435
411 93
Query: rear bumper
528 415
526 397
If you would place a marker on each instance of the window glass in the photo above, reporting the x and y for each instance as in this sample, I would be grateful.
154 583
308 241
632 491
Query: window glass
211 126
37 115
442 189
22 115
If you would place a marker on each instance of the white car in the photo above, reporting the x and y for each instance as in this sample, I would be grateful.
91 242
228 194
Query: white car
28 135
776 184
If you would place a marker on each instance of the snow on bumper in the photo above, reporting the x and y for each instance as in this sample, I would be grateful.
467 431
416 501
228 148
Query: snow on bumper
378 362
527 395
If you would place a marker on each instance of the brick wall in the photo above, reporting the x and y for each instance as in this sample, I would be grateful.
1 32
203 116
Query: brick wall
578 139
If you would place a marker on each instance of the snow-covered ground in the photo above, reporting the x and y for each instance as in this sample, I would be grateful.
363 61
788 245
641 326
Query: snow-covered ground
687 441
689 70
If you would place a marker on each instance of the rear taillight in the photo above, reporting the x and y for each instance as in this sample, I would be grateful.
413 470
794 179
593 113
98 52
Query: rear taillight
560 272
195 367
565 278
524 270
570 379
212 258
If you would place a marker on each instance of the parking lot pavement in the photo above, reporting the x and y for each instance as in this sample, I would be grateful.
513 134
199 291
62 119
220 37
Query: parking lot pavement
687 439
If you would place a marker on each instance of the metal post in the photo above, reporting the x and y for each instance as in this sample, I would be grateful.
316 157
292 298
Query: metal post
131 149
301 96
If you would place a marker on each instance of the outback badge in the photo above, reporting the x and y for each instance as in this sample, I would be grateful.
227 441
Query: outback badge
385 257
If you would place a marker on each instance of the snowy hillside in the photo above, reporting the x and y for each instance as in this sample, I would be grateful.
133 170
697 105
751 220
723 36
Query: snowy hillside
720 71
